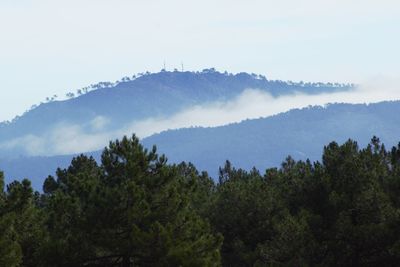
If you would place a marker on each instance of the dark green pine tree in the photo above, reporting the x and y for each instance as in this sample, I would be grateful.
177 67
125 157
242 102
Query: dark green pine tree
21 224
242 210
10 250
133 210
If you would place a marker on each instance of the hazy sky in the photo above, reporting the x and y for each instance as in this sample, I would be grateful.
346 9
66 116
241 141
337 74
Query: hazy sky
51 47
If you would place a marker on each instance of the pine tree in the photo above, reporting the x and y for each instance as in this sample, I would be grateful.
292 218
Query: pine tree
134 209
10 250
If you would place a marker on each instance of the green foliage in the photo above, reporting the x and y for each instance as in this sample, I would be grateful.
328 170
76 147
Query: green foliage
20 225
242 211
10 250
343 211
134 209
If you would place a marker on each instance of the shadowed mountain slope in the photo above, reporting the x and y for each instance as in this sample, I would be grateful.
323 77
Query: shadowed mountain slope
263 143
132 100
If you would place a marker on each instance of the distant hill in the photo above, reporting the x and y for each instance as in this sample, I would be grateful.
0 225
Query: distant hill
266 142
263 143
112 107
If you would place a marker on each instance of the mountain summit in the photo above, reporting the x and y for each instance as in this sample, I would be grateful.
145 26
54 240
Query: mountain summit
110 110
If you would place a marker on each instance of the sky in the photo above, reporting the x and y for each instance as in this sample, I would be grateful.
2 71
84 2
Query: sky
52 47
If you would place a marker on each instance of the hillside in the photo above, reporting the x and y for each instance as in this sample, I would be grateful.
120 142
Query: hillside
263 143
116 106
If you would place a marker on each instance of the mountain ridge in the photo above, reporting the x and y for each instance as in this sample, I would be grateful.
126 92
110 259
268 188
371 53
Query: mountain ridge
151 95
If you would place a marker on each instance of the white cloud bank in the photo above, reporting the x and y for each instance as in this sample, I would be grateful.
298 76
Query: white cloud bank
252 103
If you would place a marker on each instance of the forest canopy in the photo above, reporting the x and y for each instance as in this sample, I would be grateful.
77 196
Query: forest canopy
135 209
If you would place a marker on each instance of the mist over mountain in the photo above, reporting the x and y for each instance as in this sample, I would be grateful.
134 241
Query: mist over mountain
262 143
88 121
265 142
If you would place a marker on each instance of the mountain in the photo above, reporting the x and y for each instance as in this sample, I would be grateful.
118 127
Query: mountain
111 107
266 142
262 143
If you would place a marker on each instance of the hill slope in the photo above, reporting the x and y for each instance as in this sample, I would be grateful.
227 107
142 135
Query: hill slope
263 143
113 108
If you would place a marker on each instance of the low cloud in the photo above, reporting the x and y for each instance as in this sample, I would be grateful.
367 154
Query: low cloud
61 140
99 123
252 103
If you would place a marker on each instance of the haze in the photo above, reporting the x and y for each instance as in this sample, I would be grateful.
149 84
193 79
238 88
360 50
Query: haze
67 138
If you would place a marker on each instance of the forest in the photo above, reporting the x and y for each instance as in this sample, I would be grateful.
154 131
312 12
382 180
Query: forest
135 209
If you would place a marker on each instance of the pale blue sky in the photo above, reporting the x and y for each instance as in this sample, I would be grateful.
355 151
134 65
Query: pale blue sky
51 47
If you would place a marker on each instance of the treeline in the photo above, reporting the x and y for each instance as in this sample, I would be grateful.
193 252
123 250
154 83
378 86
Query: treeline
134 209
